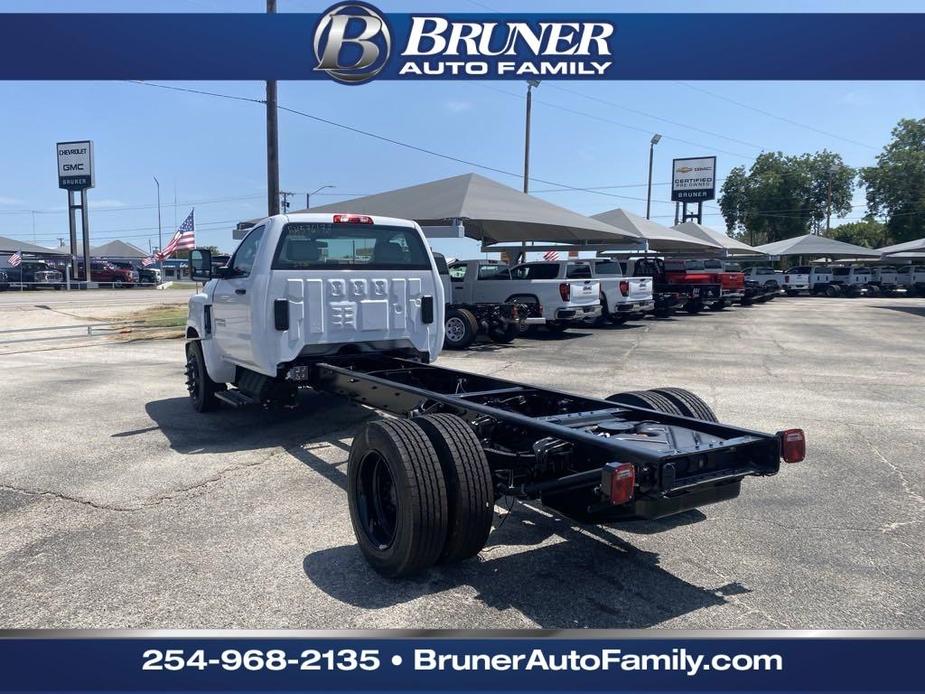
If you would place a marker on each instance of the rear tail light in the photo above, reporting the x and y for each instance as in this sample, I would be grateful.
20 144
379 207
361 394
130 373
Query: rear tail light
352 219
624 287
618 481
792 445
565 291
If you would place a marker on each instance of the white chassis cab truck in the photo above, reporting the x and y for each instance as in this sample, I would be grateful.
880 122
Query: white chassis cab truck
911 278
551 302
351 305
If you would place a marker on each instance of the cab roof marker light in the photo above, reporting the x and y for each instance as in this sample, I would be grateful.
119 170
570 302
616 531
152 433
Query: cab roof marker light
352 219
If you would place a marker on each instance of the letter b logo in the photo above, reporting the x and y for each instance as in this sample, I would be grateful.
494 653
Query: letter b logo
352 42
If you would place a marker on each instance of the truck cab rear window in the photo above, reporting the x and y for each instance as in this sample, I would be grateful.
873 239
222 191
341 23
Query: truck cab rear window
323 246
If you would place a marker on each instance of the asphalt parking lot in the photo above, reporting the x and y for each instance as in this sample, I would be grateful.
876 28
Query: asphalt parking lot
121 507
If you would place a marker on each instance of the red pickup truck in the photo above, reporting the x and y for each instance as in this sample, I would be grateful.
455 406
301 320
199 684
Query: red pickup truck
732 284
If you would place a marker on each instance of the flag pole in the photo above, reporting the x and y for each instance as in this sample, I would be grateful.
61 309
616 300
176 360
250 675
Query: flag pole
21 287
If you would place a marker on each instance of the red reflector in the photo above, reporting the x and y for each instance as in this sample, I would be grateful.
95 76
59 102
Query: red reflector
619 480
792 445
565 291
624 287
352 219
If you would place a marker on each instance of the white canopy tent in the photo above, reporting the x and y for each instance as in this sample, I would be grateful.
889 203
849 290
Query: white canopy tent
731 246
656 236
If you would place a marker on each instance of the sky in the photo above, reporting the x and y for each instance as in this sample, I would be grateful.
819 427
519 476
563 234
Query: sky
209 152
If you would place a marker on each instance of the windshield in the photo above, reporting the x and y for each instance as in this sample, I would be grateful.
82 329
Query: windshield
304 246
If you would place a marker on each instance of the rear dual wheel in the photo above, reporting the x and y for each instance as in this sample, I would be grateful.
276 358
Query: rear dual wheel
420 491
676 401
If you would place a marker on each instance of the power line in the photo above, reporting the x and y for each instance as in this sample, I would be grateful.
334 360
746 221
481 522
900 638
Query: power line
774 115
655 117
647 131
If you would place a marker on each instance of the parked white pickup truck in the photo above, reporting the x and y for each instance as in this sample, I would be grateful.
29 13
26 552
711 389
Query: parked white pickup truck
764 276
884 278
814 279
849 281
622 298
553 302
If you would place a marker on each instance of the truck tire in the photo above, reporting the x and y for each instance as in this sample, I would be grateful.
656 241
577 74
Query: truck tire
397 497
469 490
504 335
648 399
461 328
718 306
201 388
556 328
791 292
617 319
832 291
693 307
690 405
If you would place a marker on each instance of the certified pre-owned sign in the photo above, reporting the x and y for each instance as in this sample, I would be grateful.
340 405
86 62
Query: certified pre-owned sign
693 179
75 165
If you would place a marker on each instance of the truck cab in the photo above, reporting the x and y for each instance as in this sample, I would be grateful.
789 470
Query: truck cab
911 278
303 287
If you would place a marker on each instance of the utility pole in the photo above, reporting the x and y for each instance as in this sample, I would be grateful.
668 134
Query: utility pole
828 210
654 141
272 139
285 196
531 84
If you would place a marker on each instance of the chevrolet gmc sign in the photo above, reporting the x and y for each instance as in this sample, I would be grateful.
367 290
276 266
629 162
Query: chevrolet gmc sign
693 179
75 165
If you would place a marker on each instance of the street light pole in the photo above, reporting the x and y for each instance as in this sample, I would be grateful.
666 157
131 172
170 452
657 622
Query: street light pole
654 141
308 196
272 140
160 241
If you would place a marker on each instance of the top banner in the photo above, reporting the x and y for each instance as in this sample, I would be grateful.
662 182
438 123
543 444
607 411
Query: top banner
355 43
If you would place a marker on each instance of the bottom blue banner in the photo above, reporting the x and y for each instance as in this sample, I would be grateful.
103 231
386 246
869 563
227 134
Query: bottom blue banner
142 661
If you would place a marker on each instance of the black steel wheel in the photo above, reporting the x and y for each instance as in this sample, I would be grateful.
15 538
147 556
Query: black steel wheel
718 306
691 405
460 328
648 399
397 497
693 307
201 388
832 291
469 489
506 334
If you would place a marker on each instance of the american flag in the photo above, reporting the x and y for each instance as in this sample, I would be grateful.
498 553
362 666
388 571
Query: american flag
183 240
15 259
150 260
551 255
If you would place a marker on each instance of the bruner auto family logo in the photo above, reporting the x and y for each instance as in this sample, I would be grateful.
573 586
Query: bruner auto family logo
353 44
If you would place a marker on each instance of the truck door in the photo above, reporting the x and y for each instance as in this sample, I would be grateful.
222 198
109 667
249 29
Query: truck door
460 290
231 302
484 288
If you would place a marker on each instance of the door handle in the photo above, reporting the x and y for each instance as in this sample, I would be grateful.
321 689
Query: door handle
240 291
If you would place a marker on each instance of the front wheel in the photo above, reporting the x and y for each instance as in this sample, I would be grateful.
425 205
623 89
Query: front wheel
556 328
693 307
617 318
461 329
718 306
201 388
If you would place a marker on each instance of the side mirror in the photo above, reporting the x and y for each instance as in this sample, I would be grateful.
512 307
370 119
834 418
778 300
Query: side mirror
200 264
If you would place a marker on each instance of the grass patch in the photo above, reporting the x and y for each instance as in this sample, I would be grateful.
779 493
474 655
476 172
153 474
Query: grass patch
154 323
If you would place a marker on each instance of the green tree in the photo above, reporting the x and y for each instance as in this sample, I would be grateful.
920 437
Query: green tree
784 195
867 232
896 185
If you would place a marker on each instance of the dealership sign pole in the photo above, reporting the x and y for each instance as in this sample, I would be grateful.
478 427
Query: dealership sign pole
75 173
693 180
